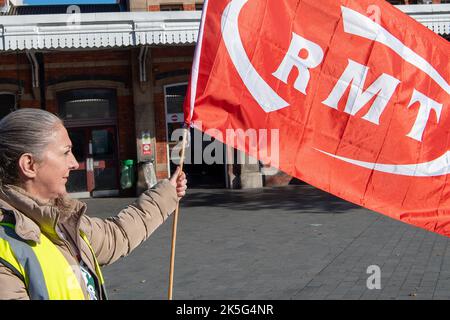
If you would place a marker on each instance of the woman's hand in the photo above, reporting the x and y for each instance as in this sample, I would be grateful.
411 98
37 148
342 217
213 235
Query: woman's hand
178 180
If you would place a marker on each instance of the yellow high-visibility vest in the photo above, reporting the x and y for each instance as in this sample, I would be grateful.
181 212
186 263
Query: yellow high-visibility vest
43 268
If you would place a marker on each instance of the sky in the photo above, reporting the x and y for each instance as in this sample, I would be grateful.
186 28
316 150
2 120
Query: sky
67 1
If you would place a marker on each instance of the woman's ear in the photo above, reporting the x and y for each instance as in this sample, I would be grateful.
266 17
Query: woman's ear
27 166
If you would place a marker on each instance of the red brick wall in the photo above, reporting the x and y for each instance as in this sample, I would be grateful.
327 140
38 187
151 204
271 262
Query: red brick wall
59 65
53 73
126 124
17 68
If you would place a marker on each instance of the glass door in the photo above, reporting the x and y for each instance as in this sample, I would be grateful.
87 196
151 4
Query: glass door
96 152
104 161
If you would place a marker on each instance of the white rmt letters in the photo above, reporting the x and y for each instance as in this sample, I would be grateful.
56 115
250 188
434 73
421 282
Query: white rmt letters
426 105
314 57
305 55
354 76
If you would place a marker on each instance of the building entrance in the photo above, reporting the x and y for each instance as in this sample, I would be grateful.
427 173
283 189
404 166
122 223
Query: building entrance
96 152
90 116
200 172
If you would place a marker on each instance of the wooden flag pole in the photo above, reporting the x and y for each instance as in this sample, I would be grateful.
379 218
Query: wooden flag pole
175 220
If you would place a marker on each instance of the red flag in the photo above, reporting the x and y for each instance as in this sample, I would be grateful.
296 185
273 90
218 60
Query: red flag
353 94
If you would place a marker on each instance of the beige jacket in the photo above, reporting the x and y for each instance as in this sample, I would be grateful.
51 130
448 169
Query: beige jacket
110 238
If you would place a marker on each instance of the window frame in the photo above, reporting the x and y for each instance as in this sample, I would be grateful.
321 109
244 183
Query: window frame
171 7
178 84
168 141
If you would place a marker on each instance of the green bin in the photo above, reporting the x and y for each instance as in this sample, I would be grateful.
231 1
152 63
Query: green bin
127 177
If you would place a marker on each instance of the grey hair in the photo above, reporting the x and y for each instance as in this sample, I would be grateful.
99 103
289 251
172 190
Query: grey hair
24 131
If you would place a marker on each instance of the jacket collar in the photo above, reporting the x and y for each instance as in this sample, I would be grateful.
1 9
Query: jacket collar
33 217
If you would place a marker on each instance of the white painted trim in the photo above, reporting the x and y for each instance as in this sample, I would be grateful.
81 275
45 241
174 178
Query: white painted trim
424 8
98 30
434 16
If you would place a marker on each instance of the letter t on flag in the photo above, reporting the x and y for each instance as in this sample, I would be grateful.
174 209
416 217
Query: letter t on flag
360 103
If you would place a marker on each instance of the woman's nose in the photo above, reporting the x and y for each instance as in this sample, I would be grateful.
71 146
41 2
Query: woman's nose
74 163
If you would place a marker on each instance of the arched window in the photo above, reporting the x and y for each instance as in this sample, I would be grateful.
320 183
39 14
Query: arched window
7 103
83 106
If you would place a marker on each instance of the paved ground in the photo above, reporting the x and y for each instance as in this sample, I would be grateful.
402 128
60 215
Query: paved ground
292 242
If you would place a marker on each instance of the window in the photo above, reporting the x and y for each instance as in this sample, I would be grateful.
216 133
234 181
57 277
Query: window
7 104
174 98
87 104
199 6
171 7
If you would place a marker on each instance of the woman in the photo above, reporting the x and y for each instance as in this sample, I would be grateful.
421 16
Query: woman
49 248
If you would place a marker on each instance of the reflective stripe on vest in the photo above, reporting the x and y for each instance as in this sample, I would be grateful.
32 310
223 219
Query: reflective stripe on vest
43 268
98 271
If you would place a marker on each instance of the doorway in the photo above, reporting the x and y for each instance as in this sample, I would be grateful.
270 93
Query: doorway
199 172
90 116
96 152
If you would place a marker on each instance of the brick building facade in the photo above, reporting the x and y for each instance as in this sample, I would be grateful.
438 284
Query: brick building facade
111 99
61 72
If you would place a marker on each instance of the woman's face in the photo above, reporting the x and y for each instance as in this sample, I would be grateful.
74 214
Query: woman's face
53 170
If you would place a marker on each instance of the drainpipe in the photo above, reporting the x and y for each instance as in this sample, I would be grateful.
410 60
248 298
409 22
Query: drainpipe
142 64
34 68
37 75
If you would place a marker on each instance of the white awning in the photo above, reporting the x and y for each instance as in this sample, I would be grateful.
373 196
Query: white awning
98 30
120 29
435 16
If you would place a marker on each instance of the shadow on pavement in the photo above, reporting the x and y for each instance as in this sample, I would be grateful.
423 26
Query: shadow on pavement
299 198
